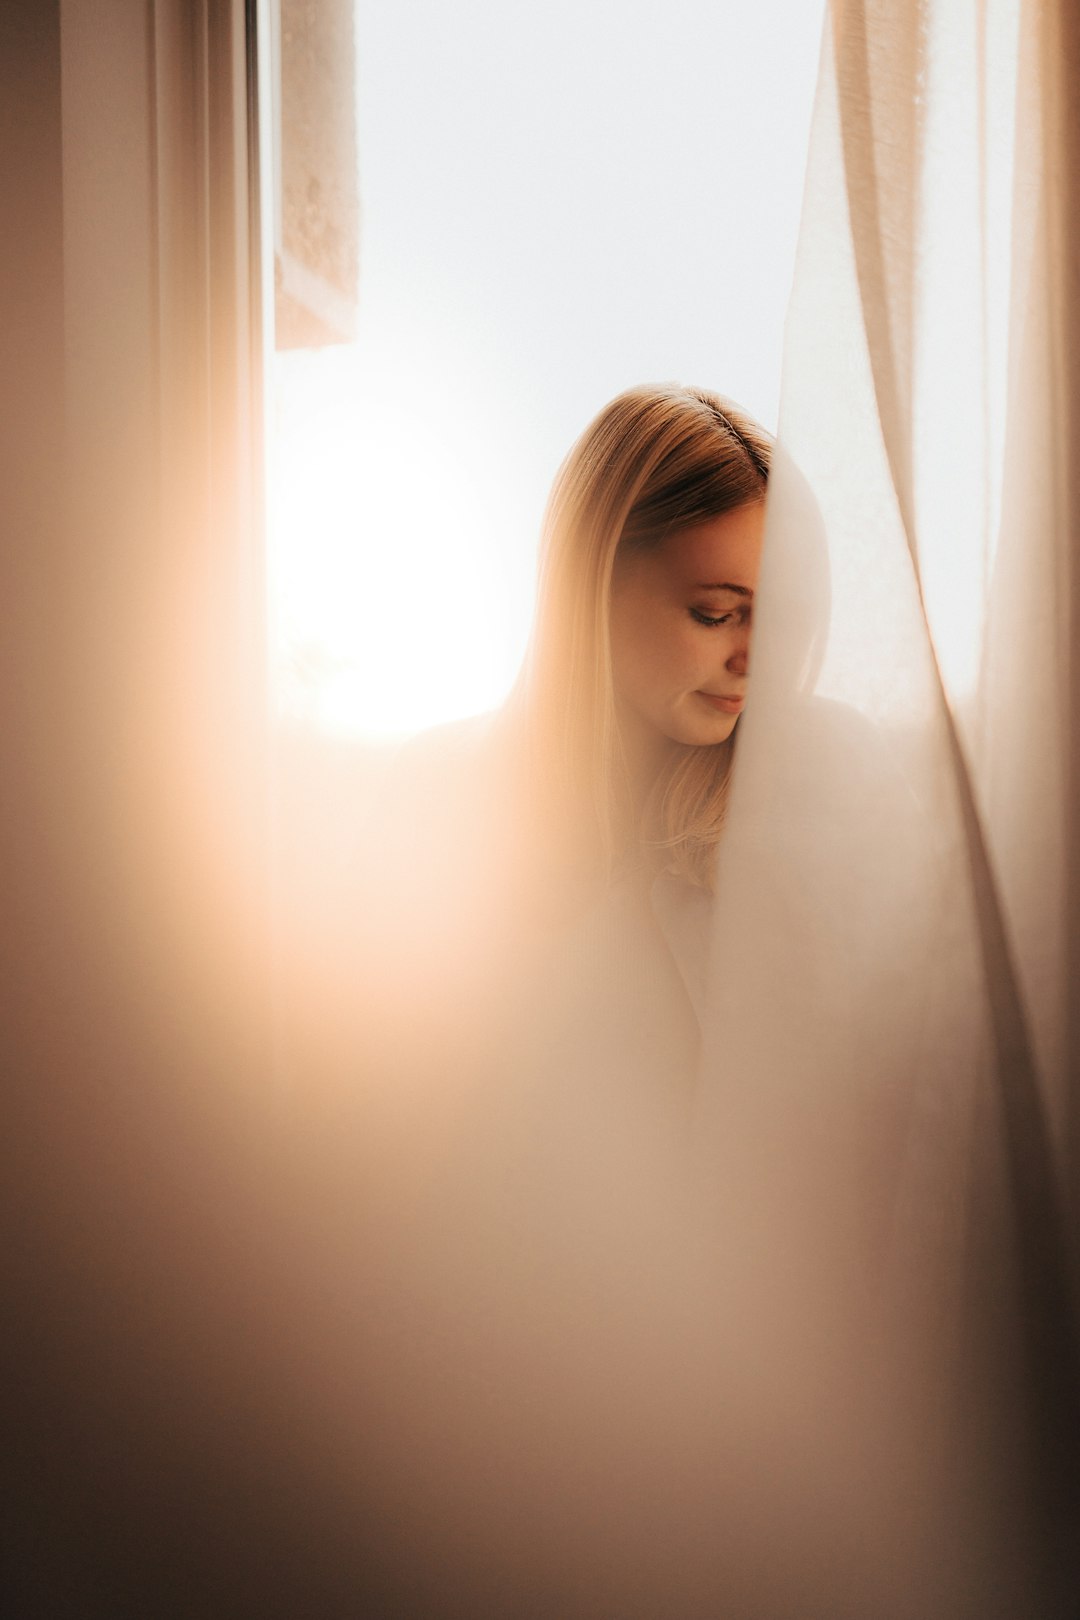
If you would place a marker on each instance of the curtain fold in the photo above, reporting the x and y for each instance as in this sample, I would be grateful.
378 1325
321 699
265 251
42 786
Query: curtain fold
892 1034
885 177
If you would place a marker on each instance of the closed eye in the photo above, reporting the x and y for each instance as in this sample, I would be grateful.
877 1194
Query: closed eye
712 622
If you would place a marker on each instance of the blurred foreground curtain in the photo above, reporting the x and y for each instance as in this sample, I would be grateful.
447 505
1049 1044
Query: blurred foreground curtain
842 1383
892 1067
828 1366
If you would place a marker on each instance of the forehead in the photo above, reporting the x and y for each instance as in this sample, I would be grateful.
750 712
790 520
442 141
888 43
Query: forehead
723 550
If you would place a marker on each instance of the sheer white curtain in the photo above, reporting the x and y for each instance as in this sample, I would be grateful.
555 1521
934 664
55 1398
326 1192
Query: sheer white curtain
890 1080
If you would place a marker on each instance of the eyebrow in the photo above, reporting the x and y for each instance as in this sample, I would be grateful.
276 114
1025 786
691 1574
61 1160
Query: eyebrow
738 590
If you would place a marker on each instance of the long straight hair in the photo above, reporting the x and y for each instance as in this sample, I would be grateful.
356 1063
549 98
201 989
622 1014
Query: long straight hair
656 460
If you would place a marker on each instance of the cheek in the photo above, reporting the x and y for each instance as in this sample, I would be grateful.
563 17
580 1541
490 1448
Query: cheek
659 654
692 652
658 651
667 661
634 638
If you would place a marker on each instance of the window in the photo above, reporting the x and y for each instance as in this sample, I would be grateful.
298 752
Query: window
489 220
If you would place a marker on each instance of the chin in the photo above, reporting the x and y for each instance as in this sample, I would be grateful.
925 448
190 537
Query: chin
707 734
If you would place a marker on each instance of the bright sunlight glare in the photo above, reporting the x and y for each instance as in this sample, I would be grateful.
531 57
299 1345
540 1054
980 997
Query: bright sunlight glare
389 594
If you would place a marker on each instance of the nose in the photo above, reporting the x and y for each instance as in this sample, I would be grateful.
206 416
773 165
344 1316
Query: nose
738 661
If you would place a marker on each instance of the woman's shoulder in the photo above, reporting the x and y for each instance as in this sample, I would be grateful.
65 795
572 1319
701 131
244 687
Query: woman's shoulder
445 749
450 798
445 772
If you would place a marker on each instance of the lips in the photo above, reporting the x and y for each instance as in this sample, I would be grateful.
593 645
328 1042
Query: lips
728 705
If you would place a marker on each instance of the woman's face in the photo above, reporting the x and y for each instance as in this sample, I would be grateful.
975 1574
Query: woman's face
680 629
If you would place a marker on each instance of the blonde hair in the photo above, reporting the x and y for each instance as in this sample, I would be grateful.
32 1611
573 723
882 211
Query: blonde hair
655 460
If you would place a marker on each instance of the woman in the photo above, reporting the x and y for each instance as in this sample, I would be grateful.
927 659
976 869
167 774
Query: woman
534 896
539 879
595 1382
638 666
